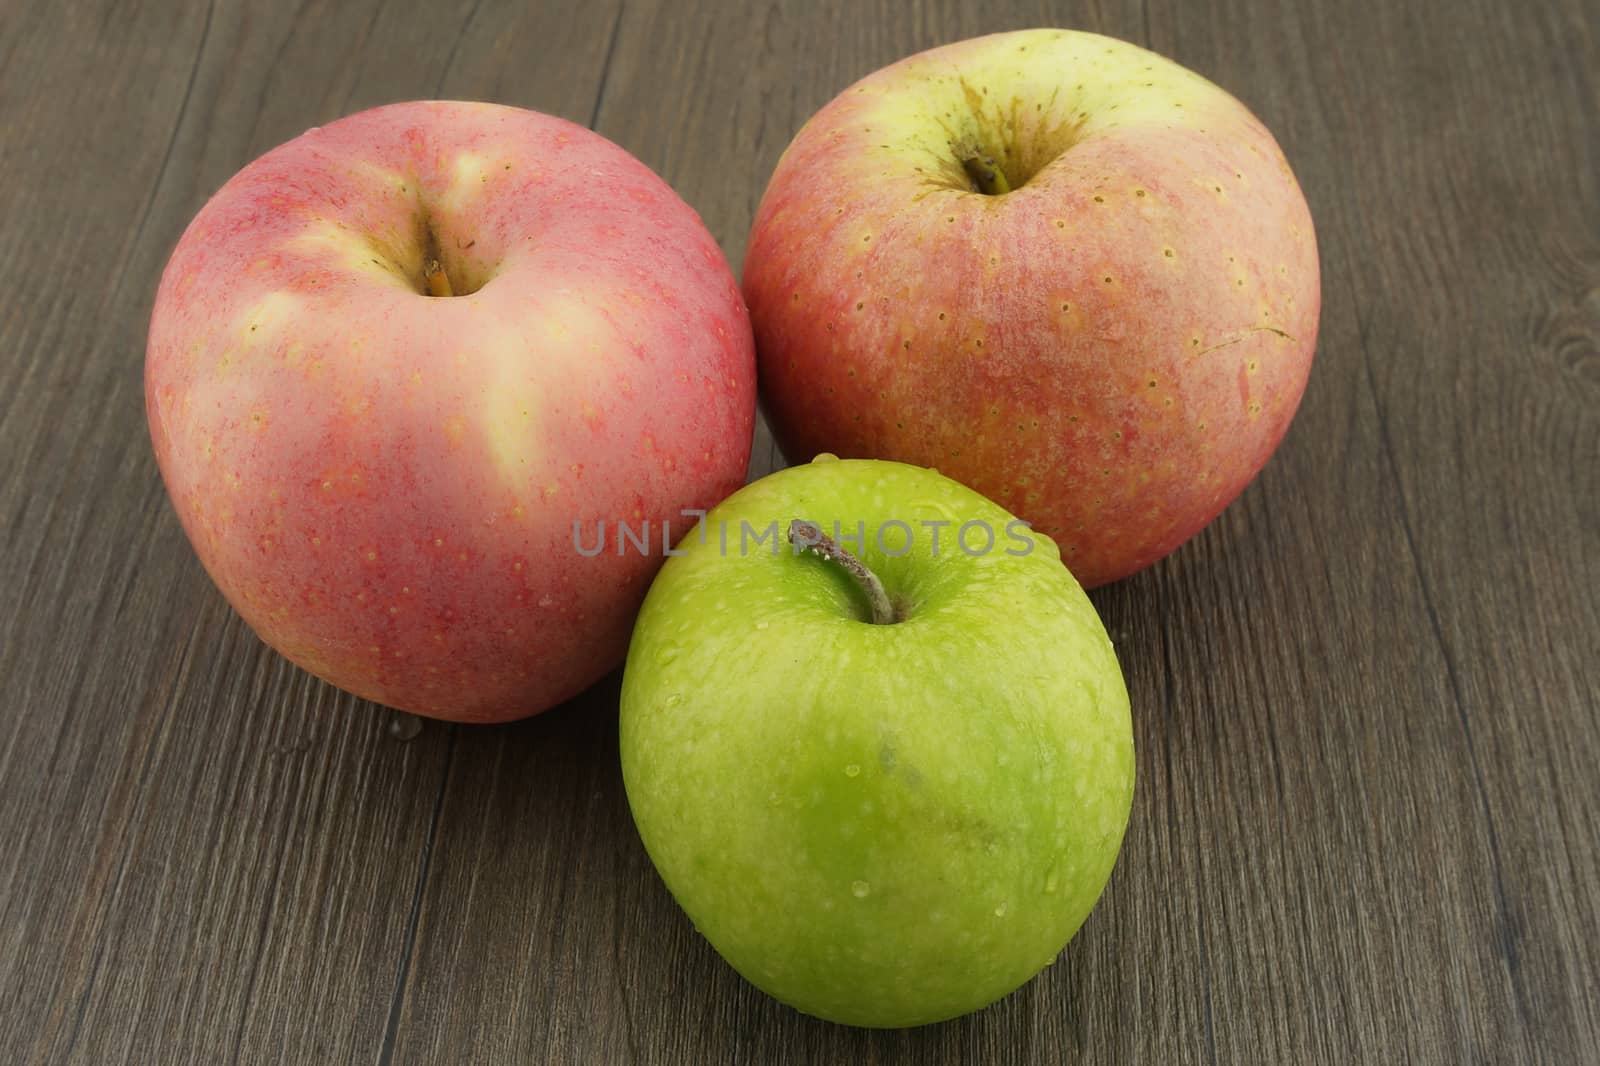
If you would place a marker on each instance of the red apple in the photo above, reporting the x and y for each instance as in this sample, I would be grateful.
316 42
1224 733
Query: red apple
1059 268
383 479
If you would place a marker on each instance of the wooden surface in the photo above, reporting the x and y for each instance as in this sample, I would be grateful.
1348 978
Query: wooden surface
1365 699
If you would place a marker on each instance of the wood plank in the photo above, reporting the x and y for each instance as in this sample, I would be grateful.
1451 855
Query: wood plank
1367 699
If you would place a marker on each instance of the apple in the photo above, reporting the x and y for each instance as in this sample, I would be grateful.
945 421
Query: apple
876 742
1064 270
393 361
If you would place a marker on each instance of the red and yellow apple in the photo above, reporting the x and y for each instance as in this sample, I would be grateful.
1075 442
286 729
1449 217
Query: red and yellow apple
1059 268
391 364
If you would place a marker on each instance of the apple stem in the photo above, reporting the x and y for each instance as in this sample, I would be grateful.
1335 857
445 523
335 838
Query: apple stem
438 281
808 536
986 175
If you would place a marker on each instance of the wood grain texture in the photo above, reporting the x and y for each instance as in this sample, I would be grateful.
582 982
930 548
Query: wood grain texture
1367 699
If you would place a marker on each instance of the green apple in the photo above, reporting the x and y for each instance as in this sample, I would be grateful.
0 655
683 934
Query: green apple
876 742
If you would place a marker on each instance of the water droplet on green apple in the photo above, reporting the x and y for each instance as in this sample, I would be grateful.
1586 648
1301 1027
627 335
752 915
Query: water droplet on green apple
667 653
860 889
825 457
934 505
1000 911
1052 881
762 625
852 770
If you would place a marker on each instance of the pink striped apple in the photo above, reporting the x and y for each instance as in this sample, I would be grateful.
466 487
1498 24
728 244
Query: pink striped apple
391 364
1061 269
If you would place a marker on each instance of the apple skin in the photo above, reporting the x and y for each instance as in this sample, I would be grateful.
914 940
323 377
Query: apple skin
881 825
1112 350
384 483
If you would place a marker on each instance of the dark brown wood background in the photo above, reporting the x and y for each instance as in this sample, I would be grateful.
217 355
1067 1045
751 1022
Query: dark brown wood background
1368 818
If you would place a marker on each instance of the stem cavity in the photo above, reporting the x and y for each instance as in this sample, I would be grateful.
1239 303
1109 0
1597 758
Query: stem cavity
808 536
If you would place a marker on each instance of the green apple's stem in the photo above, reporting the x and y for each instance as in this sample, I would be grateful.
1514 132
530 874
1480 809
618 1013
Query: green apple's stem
985 173
808 536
